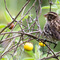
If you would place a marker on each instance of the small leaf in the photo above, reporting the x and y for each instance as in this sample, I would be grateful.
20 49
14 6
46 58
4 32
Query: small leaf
30 53
38 53
5 58
29 58
48 7
2 25
27 16
57 2
8 18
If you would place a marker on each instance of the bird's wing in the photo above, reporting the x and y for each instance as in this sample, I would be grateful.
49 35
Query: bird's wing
57 23
55 29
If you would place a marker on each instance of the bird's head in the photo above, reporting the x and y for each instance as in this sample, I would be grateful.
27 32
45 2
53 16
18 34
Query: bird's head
51 16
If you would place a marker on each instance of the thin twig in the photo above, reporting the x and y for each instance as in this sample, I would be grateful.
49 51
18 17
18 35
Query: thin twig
28 10
51 56
13 47
15 17
10 38
55 56
22 8
17 44
40 10
7 9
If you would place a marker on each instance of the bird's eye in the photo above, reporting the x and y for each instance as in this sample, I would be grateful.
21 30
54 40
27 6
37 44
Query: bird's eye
52 17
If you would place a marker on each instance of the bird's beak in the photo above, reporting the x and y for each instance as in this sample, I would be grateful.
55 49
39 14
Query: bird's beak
45 15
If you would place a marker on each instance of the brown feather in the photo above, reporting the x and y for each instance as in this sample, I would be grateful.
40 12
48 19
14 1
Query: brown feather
52 27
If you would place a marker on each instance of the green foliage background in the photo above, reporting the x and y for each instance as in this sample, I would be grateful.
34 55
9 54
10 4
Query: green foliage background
14 7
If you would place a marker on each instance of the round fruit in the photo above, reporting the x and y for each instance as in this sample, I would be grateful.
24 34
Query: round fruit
41 44
11 26
28 46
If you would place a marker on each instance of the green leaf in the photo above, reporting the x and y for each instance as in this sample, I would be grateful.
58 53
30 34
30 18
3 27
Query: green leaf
30 53
48 7
5 58
29 58
38 53
57 2
8 18
26 17
2 25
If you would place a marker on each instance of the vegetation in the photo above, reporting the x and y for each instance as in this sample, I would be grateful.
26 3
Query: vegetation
21 26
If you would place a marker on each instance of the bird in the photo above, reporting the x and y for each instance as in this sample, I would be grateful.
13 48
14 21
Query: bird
52 27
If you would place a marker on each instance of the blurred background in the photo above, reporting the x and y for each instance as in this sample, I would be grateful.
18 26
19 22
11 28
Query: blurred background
14 7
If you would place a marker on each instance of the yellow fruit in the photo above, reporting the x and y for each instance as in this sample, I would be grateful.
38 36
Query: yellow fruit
41 44
28 46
